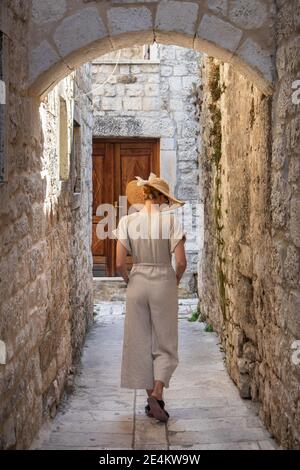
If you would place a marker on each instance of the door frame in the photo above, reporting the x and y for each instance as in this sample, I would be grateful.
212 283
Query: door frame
112 167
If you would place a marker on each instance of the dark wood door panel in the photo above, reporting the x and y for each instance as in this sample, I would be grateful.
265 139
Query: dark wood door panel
132 166
115 163
98 245
98 181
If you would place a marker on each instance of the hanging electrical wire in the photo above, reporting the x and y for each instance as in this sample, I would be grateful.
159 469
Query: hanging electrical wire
101 84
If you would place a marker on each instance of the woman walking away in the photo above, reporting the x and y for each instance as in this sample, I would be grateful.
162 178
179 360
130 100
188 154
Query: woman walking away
150 343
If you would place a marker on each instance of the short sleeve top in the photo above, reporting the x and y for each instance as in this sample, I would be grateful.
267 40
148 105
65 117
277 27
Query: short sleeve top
121 233
176 234
150 238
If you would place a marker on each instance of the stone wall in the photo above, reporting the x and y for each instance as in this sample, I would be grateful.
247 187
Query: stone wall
45 260
281 394
156 98
250 260
2 109
67 33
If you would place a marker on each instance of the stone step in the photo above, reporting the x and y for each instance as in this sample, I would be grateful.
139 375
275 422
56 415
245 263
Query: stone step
114 288
108 289
205 407
105 309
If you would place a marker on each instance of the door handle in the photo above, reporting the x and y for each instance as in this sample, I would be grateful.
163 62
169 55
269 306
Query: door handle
116 206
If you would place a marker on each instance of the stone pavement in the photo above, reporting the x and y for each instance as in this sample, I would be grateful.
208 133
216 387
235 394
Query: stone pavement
206 411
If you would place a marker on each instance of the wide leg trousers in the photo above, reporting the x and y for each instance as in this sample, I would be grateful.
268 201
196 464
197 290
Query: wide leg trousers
150 343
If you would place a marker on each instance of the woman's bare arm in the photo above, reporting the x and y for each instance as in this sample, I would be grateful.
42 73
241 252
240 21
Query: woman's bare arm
180 259
121 261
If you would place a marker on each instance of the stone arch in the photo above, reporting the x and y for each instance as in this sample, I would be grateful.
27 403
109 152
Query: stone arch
65 34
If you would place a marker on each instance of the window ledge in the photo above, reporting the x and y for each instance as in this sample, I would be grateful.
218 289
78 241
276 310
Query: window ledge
126 62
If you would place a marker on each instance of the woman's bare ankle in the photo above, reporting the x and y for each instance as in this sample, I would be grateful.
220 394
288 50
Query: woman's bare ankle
157 392
158 396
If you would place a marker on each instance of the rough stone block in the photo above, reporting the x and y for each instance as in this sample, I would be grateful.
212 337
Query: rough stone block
134 90
218 6
167 127
248 15
254 55
79 30
152 89
132 103
167 144
109 90
124 69
129 19
175 84
151 104
111 104
219 32
292 314
46 11
166 71
295 220
177 16
245 260
175 104
180 70
153 79
41 58
188 82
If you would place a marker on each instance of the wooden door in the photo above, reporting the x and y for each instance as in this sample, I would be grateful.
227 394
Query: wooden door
115 163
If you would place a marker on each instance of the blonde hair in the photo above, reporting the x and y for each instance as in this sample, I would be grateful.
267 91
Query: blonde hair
152 193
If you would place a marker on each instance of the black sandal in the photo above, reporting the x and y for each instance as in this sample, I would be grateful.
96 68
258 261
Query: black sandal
156 409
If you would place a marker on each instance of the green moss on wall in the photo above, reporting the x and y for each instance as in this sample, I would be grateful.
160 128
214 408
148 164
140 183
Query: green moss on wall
216 90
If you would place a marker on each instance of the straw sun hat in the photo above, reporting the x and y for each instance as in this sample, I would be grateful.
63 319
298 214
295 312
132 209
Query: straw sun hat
135 194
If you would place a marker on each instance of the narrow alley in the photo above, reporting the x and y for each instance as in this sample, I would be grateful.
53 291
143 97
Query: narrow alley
206 411
107 107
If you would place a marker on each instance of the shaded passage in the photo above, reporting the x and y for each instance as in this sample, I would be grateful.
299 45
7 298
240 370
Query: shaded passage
206 411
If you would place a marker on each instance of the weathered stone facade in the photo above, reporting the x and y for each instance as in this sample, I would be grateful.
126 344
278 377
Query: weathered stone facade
281 394
250 261
156 98
45 260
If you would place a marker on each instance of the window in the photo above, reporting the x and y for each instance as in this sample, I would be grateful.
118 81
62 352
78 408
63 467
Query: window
64 164
150 52
76 158
3 169
147 52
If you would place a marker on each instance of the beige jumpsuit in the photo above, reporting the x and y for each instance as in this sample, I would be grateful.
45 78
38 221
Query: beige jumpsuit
150 344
